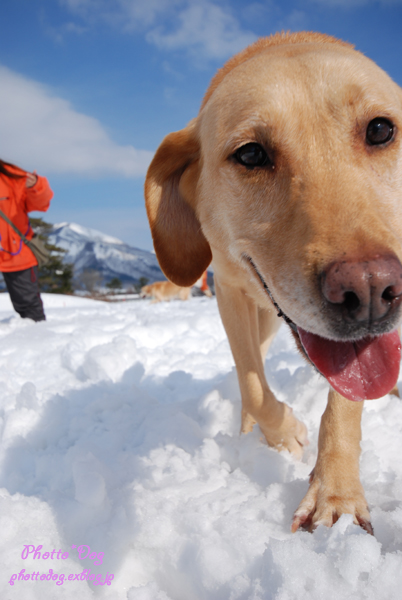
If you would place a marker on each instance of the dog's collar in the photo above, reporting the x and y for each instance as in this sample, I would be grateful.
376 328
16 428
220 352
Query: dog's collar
269 293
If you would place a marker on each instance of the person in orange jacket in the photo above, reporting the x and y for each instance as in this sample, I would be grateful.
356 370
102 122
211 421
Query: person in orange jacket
20 193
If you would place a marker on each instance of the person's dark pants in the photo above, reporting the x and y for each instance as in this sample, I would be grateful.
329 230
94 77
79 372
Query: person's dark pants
23 287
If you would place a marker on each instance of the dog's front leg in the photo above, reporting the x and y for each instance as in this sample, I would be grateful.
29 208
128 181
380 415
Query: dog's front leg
249 331
335 487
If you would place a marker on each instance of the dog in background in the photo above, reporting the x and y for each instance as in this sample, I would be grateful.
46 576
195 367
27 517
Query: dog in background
162 291
290 180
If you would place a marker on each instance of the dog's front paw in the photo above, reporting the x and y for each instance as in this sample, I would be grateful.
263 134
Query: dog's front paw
324 504
285 432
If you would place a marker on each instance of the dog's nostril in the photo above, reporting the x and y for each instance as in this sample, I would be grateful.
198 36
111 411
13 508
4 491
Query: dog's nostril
389 294
351 301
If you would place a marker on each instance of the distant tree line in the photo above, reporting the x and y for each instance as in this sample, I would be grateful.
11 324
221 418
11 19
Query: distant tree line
91 280
56 277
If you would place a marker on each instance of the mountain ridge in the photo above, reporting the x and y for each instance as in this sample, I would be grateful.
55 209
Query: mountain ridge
88 248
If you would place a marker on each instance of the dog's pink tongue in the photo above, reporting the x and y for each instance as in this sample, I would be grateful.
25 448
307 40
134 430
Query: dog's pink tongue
362 370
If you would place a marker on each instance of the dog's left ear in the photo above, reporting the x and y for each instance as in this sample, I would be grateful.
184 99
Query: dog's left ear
170 192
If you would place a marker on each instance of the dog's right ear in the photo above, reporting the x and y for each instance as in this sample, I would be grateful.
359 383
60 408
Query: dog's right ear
170 195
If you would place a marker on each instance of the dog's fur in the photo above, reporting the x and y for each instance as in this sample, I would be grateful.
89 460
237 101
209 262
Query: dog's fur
162 291
307 98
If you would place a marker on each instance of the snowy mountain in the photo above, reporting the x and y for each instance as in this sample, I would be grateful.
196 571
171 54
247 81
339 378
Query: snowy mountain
90 249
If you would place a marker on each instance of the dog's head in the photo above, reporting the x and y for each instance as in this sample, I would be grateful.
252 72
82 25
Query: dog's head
291 177
146 291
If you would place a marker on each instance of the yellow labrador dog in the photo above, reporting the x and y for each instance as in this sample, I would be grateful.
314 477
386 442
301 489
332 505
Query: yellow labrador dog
163 291
290 179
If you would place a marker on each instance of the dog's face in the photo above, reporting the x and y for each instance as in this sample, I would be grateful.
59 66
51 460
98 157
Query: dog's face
146 291
292 176
322 191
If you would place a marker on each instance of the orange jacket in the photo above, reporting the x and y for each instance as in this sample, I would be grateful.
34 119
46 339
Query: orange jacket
16 200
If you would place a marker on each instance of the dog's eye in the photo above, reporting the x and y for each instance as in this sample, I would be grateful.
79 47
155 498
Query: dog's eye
251 155
379 131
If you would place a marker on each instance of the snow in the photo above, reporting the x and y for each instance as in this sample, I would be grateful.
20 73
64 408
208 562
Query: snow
119 446
88 233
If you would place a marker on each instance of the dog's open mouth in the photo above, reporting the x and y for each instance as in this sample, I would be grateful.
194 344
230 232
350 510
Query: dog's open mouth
359 370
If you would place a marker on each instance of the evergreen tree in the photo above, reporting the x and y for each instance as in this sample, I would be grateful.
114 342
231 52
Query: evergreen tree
55 277
114 284
140 284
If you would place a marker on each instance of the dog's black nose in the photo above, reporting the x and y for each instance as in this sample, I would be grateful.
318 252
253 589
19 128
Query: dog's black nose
363 290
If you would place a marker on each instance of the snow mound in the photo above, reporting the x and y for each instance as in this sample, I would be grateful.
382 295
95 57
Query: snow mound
50 301
120 447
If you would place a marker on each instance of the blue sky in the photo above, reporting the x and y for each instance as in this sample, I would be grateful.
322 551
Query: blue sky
88 88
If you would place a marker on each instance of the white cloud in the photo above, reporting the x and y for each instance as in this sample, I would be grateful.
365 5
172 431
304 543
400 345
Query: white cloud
137 13
39 130
126 14
204 27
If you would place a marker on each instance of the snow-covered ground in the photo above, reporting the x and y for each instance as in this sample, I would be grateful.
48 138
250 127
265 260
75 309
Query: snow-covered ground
120 451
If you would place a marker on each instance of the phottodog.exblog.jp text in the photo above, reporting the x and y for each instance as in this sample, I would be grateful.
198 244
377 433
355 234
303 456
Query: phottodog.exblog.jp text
59 579
84 552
